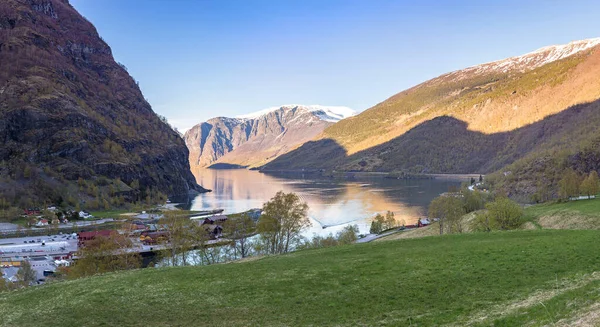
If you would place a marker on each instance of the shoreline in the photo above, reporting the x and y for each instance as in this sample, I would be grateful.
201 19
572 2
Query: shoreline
323 173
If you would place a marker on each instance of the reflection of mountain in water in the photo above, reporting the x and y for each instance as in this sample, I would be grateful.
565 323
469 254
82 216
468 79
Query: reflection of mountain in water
333 202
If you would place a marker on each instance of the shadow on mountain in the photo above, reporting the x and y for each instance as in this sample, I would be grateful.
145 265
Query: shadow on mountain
223 165
446 145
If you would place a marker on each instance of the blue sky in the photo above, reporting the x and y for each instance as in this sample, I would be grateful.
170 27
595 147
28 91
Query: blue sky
197 59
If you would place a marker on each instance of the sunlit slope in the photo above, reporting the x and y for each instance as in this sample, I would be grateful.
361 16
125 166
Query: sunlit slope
507 279
490 99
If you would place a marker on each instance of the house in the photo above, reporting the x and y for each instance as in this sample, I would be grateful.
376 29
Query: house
254 214
214 231
85 215
214 219
55 221
154 237
62 263
10 274
32 211
42 223
84 237
423 222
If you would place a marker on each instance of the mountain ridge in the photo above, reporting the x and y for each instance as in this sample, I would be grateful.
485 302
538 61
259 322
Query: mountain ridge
253 139
486 102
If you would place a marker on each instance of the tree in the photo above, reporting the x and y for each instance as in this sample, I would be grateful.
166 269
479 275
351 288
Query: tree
4 285
184 234
377 224
449 209
390 221
569 184
105 254
505 214
239 229
26 274
590 185
348 235
473 200
483 222
284 218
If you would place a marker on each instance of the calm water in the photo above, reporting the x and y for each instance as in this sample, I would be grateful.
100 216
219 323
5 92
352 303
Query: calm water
333 203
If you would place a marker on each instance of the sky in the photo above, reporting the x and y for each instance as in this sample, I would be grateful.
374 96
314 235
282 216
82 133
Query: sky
198 59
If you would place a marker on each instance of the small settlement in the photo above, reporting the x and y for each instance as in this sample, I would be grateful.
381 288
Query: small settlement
46 254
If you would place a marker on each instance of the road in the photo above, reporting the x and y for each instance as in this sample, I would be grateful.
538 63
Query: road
371 237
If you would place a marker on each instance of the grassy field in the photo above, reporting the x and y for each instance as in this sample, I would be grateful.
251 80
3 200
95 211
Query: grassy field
110 213
538 277
581 214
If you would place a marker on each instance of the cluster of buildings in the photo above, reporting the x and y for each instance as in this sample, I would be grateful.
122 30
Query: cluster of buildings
56 218
46 254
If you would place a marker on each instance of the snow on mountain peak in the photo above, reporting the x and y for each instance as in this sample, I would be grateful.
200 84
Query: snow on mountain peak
533 59
326 113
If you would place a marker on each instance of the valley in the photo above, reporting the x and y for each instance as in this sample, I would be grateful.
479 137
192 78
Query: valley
469 199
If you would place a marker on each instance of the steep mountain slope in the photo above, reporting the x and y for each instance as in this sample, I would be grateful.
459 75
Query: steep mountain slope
257 138
474 120
69 111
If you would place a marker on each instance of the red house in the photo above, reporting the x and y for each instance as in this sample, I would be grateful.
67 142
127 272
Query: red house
31 212
423 222
84 237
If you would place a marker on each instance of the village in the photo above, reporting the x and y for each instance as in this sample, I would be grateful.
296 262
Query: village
49 245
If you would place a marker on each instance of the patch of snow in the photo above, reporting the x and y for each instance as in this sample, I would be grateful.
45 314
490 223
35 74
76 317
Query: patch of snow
533 59
326 113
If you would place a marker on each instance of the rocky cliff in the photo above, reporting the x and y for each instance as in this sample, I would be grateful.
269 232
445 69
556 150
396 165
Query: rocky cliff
257 138
68 111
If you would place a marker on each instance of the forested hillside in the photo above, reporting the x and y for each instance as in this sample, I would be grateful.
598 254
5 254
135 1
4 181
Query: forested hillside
476 120
69 112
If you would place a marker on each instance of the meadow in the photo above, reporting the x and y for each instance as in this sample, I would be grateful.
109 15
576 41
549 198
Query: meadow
532 277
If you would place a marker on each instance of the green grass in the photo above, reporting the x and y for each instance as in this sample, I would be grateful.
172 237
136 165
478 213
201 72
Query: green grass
581 214
506 279
115 213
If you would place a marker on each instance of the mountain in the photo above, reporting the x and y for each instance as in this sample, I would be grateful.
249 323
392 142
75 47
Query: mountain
69 112
476 120
257 138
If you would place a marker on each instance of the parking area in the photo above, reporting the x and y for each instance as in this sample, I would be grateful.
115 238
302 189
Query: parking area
40 251
38 245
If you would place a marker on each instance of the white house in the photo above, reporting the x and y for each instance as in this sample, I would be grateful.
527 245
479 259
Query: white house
42 222
85 215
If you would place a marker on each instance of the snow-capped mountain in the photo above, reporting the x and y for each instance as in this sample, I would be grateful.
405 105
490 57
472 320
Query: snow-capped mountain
259 137
326 113
529 60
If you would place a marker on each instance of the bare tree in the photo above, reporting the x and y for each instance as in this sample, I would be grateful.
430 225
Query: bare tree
239 230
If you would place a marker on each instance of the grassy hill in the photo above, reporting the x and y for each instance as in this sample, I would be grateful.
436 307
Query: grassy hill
538 277
582 214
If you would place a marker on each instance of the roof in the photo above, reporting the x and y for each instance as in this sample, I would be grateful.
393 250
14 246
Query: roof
95 233
212 228
218 218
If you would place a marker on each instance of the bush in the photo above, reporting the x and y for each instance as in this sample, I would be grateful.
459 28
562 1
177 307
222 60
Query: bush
502 214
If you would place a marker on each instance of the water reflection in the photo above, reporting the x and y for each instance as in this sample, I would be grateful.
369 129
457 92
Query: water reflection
333 203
